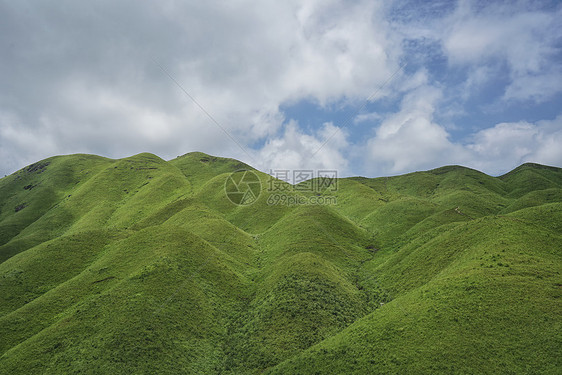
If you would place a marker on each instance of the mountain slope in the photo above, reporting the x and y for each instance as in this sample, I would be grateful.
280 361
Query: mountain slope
141 265
483 297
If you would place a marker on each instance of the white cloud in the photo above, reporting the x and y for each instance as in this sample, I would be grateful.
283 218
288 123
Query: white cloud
367 117
93 77
410 139
77 78
506 145
344 49
525 40
538 88
493 41
478 77
295 150
14 137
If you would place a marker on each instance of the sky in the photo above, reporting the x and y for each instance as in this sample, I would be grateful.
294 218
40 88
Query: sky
370 88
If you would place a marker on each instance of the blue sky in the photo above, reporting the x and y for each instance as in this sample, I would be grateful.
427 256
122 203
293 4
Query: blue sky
367 88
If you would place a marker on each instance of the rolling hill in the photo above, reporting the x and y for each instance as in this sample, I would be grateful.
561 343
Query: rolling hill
144 266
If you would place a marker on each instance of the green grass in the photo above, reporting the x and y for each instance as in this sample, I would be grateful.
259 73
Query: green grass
141 265
482 297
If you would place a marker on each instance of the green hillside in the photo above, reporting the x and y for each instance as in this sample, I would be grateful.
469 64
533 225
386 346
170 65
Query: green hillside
145 266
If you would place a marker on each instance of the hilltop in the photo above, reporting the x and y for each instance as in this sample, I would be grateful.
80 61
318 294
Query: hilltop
141 265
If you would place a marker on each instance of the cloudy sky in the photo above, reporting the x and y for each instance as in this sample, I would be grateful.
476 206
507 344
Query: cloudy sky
365 87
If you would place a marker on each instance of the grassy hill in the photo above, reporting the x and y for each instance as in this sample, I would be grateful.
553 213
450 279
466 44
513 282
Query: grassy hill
143 266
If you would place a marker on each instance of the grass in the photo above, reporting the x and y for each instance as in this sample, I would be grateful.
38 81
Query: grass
141 265
472 299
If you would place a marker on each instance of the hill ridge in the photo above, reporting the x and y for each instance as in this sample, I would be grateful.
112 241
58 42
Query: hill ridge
144 265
